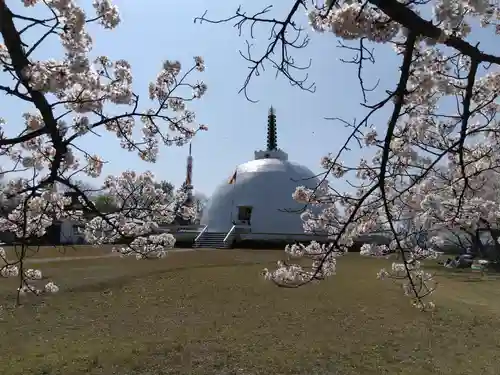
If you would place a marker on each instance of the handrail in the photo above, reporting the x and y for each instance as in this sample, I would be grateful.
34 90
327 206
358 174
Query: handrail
201 233
229 233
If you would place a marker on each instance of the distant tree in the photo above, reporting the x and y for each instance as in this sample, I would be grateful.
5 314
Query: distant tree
167 187
85 187
105 203
197 202
200 201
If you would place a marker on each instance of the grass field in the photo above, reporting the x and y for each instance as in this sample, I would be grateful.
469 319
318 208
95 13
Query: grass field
208 312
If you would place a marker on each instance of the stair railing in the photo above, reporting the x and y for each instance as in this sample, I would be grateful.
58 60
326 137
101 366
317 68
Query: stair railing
229 233
201 233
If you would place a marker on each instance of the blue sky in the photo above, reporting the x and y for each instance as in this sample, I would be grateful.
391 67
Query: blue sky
154 30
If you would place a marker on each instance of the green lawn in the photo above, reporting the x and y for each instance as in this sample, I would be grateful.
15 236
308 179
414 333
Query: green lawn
210 313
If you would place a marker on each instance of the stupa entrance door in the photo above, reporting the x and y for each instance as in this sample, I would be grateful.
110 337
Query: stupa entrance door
244 215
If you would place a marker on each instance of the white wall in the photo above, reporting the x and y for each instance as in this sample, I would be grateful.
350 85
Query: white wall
69 233
267 185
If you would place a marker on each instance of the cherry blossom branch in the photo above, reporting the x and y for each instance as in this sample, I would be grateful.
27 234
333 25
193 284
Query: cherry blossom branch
284 34
70 100
430 166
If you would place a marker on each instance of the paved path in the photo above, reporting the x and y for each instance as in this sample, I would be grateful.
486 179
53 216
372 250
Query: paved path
110 255
60 259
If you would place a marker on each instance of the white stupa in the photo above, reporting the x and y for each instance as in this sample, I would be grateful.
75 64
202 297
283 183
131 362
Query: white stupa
256 203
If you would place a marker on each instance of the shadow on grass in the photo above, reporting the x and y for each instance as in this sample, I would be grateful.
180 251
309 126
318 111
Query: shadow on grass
468 276
441 270
121 281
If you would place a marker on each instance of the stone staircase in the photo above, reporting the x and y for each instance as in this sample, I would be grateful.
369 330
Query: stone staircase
213 240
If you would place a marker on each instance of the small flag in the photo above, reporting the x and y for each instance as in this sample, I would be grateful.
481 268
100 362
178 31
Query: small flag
232 180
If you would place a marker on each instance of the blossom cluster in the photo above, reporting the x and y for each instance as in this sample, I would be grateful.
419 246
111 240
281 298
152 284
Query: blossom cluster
323 264
29 278
142 211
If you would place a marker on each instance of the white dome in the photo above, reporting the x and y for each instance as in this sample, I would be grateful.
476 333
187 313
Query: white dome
266 186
